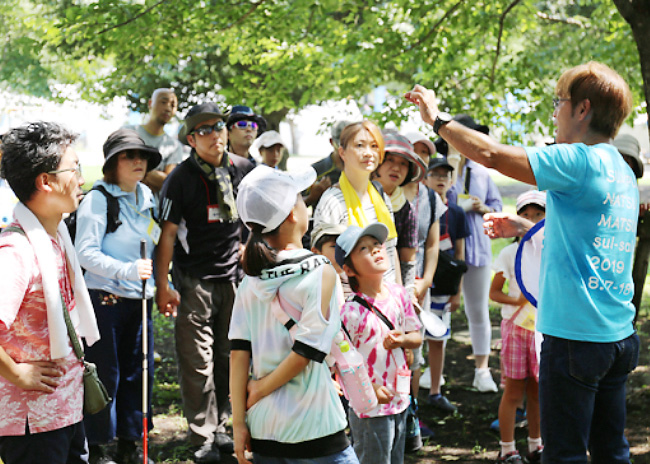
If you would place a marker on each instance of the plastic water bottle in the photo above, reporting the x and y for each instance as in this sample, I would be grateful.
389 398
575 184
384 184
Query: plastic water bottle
354 377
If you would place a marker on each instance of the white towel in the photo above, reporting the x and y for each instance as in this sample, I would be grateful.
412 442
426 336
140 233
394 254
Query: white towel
83 316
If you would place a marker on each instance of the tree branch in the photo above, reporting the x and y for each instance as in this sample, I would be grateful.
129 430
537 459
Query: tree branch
252 9
433 30
130 20
556 19
502 21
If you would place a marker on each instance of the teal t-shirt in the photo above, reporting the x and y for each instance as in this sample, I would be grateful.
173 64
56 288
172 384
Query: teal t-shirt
592 211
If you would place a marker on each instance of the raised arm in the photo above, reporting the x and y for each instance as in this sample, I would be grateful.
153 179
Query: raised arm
508 160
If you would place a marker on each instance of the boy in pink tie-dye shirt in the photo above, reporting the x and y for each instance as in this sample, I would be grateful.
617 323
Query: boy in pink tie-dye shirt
382 325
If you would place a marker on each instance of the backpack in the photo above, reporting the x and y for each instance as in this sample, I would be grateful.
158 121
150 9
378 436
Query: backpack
112 214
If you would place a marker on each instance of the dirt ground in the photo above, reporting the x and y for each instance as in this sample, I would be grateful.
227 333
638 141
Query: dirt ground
464 437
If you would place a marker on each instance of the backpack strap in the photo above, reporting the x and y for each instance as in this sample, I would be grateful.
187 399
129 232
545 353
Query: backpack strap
432 204
379 187
112 210
468 178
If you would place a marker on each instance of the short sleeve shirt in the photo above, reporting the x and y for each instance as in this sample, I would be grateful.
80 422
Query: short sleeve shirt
331 209
478 248
592 207
505 263
204 249
307 407
170 149
24 335
367 333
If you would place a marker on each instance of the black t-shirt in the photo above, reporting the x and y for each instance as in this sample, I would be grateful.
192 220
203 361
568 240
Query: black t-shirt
205 250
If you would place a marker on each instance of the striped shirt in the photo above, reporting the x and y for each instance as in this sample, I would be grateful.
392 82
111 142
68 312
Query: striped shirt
331 209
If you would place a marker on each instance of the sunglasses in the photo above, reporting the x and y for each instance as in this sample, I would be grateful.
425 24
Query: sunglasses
246 124
132 155
207 130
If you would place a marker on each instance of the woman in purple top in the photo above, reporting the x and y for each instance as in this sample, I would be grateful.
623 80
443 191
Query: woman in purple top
475 192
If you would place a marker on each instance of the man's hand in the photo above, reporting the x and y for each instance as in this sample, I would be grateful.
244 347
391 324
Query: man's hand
426 101
167 300
38 375
505 225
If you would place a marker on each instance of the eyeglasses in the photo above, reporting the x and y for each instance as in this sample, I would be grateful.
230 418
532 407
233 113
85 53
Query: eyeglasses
446 175
557 101
207 130
76 170
245 124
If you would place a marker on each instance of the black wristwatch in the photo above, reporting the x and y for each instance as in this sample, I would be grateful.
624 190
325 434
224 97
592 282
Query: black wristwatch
441 120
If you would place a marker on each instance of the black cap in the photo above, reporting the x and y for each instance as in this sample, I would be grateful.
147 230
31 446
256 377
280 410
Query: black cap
245 113
196 115
438 163
128 139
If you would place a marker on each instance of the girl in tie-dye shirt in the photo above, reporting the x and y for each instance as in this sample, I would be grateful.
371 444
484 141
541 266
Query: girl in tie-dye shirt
382 326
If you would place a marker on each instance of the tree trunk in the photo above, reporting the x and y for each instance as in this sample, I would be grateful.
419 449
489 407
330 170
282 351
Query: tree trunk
637 15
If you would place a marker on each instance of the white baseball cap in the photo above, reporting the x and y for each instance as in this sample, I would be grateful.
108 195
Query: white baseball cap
269 138
415 137
266 196
531 197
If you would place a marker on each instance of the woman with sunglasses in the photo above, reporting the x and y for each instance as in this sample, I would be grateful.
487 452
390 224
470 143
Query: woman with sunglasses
114 275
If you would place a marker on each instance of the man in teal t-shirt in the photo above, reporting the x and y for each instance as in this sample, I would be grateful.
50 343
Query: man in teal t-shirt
585 309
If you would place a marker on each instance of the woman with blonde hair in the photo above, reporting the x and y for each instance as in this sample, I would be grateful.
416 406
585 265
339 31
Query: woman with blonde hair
355 200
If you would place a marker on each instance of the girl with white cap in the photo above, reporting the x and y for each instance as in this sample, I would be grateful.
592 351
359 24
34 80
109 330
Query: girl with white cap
289 408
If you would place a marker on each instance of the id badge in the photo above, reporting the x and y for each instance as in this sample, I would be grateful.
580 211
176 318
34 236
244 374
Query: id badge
154 231
445 243
213 213
403 382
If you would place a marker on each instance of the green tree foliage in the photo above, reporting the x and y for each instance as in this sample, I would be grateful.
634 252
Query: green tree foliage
495 59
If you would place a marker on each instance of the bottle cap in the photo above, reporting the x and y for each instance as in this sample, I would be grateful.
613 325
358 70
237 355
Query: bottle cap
344 346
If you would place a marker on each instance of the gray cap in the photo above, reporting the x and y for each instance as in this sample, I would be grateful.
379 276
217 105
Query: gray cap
348 239
336 130
629 146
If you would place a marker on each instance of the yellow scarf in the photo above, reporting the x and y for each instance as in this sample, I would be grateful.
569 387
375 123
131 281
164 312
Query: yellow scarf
397 199
356 216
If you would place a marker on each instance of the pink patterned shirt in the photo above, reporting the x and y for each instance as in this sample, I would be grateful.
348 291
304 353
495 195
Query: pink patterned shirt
367 332
25 337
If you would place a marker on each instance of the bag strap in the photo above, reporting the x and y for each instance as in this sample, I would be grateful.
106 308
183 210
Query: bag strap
432 204
112 210
14 229
468 175
78 351
366 304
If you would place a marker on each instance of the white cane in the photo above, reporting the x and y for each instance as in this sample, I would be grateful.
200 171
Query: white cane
145 363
